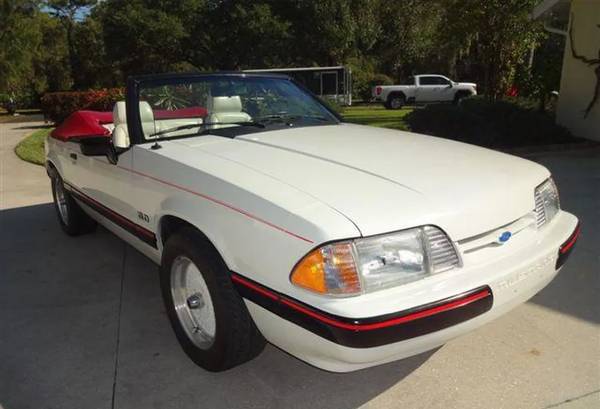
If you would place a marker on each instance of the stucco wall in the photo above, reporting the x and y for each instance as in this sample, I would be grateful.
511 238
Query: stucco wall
578 79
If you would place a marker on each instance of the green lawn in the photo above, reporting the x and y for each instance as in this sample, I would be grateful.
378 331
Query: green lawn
377 116
31 149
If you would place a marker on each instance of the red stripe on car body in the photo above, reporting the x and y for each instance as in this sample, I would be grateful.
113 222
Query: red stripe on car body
426 312
219 202
116 215
254 287
571 240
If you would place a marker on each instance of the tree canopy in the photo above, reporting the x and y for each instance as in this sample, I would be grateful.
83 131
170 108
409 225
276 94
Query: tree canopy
79 44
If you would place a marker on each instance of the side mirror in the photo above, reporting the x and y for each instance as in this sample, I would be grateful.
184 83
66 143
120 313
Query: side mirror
95 146
120 138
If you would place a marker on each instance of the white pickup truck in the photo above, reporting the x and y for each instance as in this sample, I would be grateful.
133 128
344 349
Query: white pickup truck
422 89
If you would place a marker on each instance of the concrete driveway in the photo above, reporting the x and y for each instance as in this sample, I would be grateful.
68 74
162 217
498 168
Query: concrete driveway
82 325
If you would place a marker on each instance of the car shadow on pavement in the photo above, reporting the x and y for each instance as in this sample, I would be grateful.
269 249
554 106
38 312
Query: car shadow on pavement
576 288
59 298
82 319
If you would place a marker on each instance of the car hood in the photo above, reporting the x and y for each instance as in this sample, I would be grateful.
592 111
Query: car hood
468 84
384 180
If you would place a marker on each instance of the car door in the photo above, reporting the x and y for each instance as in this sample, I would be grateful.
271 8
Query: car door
106 186
444 92
67 153
428 89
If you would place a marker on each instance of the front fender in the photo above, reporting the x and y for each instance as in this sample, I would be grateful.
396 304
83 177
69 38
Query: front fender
246 244
263 250
179 207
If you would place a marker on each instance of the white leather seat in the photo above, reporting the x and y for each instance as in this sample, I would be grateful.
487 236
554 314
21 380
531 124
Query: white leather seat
227 110
146 116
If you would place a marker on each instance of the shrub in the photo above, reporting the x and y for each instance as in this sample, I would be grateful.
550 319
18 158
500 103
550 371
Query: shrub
59 105
499 124
364 77
364 91
380 79
19 100
363 70
5 102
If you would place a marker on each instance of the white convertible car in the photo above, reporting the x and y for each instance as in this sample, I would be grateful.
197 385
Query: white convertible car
272 220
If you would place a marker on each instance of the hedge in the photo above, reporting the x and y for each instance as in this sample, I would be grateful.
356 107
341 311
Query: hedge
57 106
495 124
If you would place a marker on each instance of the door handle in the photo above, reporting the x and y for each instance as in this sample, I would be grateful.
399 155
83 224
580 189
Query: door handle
73 156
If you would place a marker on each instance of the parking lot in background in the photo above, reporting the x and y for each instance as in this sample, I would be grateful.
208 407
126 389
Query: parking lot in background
82 325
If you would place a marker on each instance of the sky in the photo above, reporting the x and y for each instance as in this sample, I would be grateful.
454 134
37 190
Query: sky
81 14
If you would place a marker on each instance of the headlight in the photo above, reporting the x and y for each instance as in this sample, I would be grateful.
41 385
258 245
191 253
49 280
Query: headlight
547 202
373 263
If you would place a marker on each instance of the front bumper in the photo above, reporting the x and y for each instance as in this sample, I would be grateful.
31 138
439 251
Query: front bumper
436 314
372 331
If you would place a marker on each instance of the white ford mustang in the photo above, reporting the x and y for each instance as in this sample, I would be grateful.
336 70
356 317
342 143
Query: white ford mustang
271 219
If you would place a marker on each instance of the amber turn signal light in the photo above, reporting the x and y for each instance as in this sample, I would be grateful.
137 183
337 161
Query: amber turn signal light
330 269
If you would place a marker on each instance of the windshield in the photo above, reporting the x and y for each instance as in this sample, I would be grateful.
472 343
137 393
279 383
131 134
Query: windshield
227 106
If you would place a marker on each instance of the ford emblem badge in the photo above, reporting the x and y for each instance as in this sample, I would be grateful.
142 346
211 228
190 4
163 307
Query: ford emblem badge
504 237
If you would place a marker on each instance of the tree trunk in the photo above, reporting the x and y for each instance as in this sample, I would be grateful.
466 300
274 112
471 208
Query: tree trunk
71 51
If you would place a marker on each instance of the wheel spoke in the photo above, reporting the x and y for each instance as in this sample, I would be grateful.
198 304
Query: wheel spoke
192 302
61 200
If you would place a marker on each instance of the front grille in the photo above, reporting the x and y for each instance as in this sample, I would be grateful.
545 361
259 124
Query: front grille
540 211
490 238
442 254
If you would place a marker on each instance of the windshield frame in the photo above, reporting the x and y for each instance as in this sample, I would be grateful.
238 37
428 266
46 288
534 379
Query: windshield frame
136 83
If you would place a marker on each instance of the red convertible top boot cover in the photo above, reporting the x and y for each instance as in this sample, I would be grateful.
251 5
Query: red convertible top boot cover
83 124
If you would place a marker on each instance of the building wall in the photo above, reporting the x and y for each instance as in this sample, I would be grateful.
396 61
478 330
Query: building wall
579 80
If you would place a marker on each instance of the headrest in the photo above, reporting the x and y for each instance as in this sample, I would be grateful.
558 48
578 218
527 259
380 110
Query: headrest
146 112
226 104
120 113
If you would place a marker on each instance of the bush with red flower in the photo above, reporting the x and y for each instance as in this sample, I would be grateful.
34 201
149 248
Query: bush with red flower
57 106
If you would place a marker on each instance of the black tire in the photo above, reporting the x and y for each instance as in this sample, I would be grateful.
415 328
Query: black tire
236 338
76 222
395 101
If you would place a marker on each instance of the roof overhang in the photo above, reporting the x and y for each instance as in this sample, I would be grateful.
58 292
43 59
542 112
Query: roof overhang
547 6
554 14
